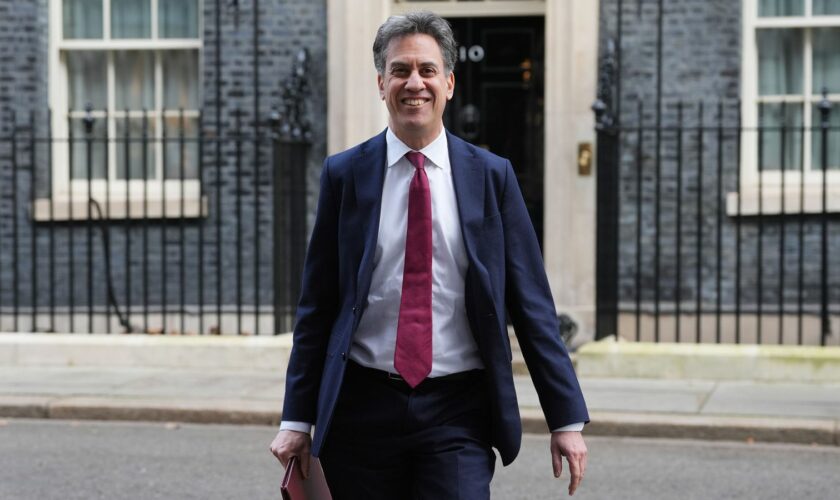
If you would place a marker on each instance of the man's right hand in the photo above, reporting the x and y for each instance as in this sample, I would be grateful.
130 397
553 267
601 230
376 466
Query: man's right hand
288 444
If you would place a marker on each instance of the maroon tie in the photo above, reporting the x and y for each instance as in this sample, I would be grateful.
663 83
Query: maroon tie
413 353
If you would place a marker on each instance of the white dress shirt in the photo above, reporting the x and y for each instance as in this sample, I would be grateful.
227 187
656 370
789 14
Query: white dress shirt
453 347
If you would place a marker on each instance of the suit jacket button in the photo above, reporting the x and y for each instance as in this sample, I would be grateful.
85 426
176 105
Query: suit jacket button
344 356
355 309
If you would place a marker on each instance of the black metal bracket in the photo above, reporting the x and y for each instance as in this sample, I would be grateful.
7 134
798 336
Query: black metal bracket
88 119
604 114
825 108
290 119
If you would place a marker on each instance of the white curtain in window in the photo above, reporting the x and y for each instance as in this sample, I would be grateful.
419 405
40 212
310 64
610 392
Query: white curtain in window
131 18
772 8
180 79
826 7
175 155
826 62
178 19
82 19
87 80
781 149
129 153
134 71
780 61
84 143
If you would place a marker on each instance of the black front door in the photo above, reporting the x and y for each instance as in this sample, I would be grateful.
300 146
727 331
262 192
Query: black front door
498 103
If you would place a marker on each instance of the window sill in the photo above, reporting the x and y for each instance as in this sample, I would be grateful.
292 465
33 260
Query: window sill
64 209
772 198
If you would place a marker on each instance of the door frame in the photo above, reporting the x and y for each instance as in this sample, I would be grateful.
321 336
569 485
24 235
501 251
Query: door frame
355 113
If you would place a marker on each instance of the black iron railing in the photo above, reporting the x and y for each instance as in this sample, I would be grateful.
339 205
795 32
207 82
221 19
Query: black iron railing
181 231
695 244
710 228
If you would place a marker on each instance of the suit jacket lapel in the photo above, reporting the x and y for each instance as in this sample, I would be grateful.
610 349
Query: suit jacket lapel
368 176
468 177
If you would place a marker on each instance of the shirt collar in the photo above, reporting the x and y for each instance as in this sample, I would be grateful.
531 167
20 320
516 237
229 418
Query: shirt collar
437 151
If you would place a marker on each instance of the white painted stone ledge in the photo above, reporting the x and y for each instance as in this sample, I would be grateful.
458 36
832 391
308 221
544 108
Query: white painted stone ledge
609 358
164 351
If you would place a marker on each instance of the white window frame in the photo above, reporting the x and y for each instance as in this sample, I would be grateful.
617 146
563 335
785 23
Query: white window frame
145 197
773 199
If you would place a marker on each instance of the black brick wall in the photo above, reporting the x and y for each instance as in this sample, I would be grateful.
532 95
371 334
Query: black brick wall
285 26
701 61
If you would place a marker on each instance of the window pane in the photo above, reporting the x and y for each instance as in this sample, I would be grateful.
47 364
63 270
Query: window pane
178 19
83 143
780 61
781 148
180 79
826 59
175 154
772 8
132 145
87 80
833 139
82 19
135 80
131 19
826 7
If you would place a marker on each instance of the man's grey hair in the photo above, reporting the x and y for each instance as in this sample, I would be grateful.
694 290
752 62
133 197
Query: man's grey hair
426 23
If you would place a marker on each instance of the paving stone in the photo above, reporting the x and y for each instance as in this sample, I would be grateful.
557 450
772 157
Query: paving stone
789 400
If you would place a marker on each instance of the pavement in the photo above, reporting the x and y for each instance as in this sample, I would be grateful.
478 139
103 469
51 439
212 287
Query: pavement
58 377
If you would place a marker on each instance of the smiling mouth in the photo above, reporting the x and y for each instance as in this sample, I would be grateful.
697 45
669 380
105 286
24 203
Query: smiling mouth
414 102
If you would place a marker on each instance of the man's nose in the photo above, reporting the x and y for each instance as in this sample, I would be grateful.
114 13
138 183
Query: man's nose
415 82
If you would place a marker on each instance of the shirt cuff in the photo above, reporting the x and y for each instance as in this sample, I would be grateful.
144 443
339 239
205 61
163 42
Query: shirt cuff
576 427
304 427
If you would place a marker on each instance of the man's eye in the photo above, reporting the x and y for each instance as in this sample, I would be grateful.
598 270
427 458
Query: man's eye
398 71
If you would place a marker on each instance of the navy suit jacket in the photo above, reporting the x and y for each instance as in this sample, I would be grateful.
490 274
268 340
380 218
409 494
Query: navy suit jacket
505 272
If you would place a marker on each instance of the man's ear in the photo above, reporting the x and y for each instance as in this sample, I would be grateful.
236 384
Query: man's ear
450 85
380 82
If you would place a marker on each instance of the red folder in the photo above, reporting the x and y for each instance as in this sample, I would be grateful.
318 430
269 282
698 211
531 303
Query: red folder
295 487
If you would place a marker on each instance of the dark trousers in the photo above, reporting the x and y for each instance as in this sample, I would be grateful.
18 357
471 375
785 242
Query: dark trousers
387 441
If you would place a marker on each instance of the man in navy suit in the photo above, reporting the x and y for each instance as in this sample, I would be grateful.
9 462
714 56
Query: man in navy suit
421 245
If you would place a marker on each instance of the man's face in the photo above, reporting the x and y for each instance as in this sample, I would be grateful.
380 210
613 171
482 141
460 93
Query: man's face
415 88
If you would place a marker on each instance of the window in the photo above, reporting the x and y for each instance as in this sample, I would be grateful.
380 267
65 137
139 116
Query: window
790 57
133 67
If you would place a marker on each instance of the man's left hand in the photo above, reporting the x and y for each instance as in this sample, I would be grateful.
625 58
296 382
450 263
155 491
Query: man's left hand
569 444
